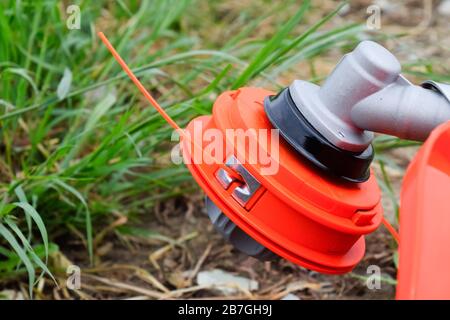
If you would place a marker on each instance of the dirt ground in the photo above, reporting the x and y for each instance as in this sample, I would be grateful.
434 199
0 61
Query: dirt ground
137 268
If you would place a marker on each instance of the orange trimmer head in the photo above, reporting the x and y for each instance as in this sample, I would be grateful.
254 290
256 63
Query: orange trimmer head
300 212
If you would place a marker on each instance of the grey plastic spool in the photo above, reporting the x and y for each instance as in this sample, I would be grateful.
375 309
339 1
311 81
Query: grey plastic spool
236 236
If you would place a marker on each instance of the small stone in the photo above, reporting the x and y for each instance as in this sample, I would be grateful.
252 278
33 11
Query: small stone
345 10
225 282
387 6
444 8
290 296
11 295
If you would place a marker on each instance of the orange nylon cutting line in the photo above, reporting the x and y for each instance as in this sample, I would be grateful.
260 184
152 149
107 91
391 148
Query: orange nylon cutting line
138 84
391 230
156 105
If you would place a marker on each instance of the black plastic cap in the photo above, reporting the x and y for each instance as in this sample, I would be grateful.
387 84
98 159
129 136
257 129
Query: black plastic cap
301 135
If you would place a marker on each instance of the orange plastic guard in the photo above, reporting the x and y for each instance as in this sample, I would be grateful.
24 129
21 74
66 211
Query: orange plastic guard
424 252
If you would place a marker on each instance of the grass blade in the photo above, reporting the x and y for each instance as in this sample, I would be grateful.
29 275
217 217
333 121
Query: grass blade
9 237
30 211
79 196
270 47
30 250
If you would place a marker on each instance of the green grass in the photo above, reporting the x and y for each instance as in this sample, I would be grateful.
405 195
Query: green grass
79 145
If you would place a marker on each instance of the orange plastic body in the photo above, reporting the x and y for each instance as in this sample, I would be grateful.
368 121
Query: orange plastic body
424 252
298 213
